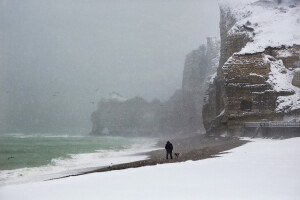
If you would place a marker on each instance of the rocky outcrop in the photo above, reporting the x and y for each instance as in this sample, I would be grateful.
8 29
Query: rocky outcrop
252 88
254 76
135 117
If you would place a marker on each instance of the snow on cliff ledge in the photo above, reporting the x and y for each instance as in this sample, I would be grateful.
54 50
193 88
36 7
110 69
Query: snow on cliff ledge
114 96
269 23
273 24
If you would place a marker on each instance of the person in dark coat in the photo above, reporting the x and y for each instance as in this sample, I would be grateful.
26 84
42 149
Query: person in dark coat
169 149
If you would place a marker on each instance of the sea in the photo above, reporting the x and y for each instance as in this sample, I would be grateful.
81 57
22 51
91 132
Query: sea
40 157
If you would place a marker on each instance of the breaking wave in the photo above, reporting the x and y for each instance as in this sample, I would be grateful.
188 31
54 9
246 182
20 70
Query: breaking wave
76 163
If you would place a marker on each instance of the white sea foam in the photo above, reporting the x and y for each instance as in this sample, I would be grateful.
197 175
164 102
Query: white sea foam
77 163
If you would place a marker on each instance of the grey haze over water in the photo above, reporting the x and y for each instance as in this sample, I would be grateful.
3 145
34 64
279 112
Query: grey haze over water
57 57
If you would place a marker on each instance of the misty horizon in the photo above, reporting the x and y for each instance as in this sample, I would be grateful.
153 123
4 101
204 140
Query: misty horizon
59 58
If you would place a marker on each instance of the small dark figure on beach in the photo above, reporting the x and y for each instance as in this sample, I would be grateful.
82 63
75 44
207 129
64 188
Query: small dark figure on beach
169 149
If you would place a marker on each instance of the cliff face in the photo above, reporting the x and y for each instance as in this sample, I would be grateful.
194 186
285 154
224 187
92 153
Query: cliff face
183 111
195 69
184 108
259 57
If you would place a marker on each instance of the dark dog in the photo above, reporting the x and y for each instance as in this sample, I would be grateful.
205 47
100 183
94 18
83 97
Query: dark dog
177 155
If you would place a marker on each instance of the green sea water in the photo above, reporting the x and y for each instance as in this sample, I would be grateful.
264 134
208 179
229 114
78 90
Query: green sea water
37 157
34 150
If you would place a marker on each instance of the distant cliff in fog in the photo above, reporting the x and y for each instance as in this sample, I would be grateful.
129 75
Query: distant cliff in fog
118 116
181 114
183 111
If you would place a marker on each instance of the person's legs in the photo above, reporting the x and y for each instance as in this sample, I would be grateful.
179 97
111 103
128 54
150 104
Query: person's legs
167 154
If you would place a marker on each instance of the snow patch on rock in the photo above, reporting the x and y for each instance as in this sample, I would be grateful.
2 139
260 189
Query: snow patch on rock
284 53
270 24
281 80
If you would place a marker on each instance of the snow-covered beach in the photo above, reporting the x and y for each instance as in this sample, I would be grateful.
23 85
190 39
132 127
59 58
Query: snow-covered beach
261 169
230 107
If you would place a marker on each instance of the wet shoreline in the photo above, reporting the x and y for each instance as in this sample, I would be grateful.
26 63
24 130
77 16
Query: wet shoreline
192 148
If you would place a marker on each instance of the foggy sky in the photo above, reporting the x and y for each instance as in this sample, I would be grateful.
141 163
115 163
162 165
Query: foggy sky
59 56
